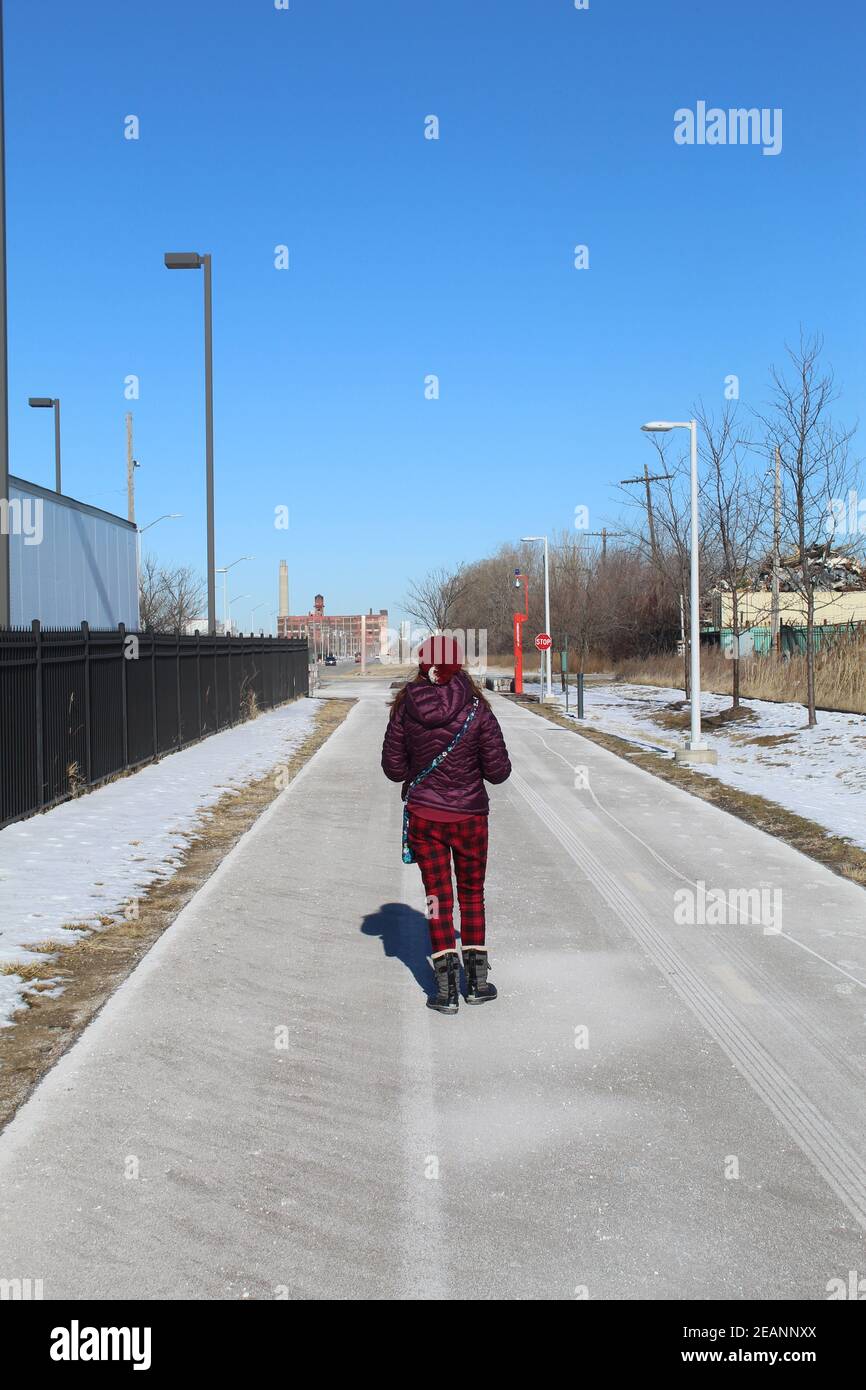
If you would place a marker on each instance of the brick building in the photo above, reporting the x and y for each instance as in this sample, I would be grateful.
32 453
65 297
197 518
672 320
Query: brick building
337 633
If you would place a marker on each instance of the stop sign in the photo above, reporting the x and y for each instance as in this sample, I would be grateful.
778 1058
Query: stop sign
542 641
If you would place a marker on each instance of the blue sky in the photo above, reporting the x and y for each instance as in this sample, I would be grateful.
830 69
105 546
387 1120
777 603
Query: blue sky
409 257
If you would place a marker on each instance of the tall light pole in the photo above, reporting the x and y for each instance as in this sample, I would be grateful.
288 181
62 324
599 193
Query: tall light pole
191 260
45 403
223 570
237 598
547 668
697 750
254 611
4 384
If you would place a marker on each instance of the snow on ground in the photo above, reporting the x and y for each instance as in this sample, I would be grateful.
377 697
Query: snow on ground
91 857
818 773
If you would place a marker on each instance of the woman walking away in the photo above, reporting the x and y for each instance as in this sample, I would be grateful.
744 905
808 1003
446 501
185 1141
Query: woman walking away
443 742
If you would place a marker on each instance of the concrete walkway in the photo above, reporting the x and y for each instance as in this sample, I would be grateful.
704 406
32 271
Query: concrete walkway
653 1109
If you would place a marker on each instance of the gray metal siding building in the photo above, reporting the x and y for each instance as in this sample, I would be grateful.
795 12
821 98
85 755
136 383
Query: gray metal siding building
69 562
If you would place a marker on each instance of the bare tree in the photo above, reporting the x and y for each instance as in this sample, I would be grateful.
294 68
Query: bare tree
169 596
736 513
433 600
814 463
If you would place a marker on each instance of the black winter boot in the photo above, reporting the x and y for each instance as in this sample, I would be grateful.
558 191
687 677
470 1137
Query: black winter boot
478 988
447 996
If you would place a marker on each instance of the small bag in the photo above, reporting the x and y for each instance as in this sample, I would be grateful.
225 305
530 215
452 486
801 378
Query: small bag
408 856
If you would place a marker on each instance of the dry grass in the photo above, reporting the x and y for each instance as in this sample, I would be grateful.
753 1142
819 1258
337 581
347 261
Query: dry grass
92 967
76 782
840 676
249 703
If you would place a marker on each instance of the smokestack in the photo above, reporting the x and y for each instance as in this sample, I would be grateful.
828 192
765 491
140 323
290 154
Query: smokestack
284 589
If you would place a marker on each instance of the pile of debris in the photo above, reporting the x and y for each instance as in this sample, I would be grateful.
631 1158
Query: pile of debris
828 569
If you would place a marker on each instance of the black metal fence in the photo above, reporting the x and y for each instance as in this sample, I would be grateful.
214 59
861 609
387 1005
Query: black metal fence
78 706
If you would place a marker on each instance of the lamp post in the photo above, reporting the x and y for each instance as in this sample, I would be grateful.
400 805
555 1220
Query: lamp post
520 581
547 667
191 260
223 570
254 611
166 516
237 599
697 750
46 403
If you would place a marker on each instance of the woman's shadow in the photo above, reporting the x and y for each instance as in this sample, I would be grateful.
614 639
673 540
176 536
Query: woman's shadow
404 933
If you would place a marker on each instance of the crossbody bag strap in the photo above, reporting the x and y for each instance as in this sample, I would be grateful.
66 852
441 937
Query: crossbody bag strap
440 757
408 856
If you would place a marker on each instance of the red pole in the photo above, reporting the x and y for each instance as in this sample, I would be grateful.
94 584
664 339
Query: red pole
520 618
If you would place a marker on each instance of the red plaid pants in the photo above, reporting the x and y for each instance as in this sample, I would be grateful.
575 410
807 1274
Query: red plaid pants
434 843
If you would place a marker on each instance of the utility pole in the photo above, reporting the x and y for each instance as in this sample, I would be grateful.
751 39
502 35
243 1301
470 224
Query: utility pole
5 606
775 629
130 471
646 480
604 533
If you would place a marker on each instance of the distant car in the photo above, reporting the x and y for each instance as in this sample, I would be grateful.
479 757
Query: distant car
358 657
330 661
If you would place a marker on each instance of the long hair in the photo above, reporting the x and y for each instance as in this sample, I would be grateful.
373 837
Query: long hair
420 678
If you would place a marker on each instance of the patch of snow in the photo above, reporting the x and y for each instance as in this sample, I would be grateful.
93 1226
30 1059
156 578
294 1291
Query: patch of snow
818 773
94 856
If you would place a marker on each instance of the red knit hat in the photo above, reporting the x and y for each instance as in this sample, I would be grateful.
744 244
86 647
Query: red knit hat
443 653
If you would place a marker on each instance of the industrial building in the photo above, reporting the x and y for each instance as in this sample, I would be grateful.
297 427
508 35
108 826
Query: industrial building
335 633
69 562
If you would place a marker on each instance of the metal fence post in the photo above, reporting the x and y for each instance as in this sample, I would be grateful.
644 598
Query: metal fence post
177 682
198 677
85 629
124 713
153 693
231 702
40 716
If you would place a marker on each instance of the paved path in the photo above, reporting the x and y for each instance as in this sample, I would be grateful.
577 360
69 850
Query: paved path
265 1107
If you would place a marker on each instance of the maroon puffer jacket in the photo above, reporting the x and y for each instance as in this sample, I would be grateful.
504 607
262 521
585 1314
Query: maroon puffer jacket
423 724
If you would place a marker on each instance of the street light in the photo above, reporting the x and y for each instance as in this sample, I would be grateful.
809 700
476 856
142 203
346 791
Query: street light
549 695
223 570
520 582
254 611
238 597
191 260
166 516
697 751
46 403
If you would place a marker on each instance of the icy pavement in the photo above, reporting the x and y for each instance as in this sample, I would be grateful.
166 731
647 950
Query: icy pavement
655 1107
89 858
